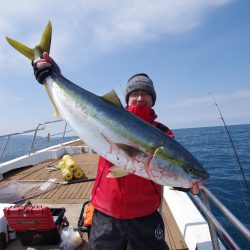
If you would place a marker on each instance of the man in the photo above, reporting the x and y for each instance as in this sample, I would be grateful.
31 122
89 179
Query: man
126 207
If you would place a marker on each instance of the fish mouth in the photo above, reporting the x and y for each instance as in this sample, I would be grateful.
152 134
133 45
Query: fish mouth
198 182
201 175
205 176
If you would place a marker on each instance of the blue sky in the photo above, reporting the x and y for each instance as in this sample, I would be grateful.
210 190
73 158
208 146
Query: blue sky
188 47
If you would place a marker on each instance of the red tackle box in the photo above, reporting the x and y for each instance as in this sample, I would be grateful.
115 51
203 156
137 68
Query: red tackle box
36 225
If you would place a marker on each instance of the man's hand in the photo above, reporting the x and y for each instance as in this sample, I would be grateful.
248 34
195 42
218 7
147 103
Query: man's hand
42 62
43 67
195 189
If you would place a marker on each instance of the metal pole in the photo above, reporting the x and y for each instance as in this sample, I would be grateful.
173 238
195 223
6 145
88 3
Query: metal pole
25 132
228 214
64 132
5 147
34 137
228 239
212 229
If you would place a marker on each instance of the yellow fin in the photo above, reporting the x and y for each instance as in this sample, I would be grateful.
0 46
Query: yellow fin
23 49
44 45
57 113
112 97
158 151
45 42
117 172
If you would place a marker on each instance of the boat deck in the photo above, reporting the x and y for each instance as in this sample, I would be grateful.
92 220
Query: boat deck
71 196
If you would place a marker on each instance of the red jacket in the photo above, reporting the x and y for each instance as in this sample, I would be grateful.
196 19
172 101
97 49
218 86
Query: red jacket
130 196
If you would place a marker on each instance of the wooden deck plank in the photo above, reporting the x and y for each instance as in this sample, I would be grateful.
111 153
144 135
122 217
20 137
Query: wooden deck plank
49 194
70 192
80 192
88 190
59 192
172 233
76 190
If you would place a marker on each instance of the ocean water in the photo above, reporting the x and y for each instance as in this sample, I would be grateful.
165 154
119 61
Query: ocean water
212 148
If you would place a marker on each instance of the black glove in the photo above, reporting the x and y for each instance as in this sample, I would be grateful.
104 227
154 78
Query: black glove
186 190
42 72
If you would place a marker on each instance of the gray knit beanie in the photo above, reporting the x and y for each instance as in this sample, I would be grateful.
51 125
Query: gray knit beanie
140 81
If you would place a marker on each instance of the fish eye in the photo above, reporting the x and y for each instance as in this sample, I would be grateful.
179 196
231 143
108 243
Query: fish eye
190 170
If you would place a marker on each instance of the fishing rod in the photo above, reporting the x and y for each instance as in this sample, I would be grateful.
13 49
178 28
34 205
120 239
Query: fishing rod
232 144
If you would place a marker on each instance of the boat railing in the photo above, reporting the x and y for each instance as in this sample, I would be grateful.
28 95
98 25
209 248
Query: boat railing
35 138
214 225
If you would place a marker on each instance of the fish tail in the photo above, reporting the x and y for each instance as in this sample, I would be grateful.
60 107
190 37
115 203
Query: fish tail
44 45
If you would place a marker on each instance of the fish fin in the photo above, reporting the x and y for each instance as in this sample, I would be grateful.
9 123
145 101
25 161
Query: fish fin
44 45
112 97
23 49
158 151
45 42
57 113
130 150
117 172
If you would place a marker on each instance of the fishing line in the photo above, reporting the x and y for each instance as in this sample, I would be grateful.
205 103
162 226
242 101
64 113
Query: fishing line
232 144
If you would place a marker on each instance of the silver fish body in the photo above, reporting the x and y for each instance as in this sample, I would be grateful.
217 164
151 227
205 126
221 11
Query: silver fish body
122 138
114 133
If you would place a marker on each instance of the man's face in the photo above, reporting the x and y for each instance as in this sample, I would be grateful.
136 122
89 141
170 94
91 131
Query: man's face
141 98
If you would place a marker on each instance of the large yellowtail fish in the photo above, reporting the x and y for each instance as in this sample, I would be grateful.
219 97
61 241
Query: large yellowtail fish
131 144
